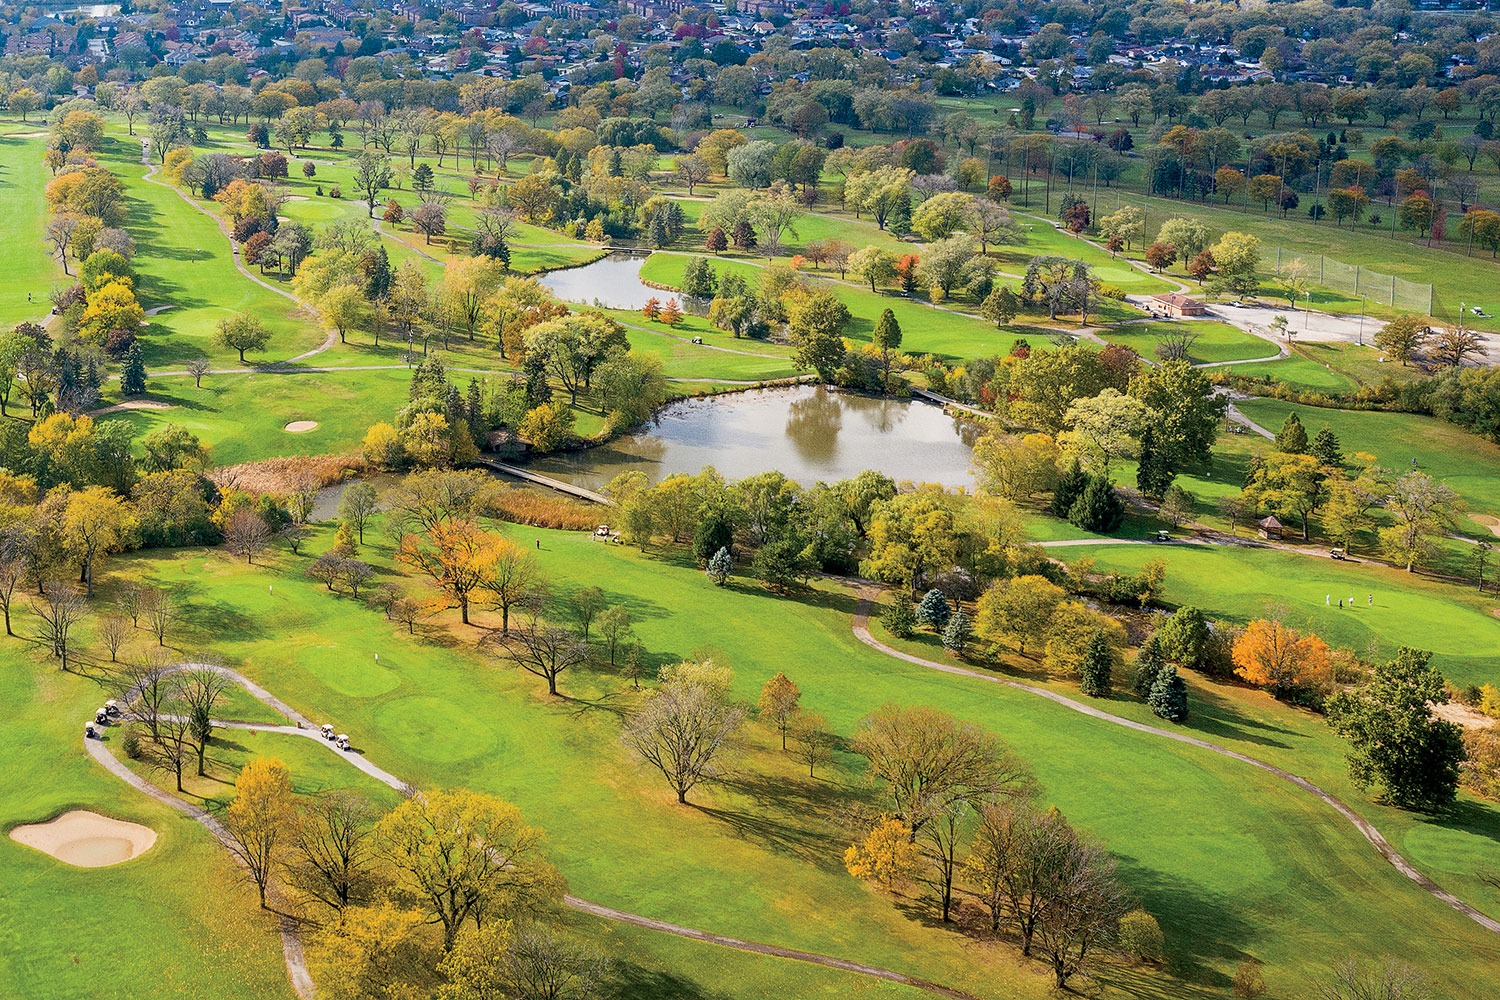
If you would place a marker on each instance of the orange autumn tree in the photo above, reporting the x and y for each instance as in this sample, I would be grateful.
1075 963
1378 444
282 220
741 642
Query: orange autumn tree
652 308
671 313
1280 659
458 556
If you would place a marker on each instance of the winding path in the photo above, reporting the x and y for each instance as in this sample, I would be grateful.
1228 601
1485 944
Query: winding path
291 935
868 593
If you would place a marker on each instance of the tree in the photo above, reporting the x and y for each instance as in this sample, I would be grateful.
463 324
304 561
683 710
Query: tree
812 744
1101 428
1015 862
1097 666
259 819
372 174
1237 258
1396 744
886 855
887 340
511 578
330 857
1389 980
1290 484
1455 345
430 219
1271 655
457 555
615 629
133 373
200 690
1083 910
1403 337
682 730
1168 695
95 522
246 533
720 566
58 609
1017 610
958 633
466 856
873 264
926 761
1098 508
357 505
242 333
1292 437
544 650
1423 510
778 704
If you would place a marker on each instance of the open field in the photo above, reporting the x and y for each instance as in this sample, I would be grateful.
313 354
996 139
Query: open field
778 831
1215 341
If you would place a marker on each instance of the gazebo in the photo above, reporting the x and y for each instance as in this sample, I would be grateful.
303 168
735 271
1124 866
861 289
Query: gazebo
1269 527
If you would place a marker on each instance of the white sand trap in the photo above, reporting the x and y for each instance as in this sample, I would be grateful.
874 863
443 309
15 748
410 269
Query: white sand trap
300 426
87 839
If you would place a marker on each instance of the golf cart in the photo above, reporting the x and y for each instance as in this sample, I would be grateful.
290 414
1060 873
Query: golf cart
1336 554
1162 536
328 732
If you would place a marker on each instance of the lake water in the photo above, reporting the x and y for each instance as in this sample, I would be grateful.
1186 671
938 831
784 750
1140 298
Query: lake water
613 282
810 433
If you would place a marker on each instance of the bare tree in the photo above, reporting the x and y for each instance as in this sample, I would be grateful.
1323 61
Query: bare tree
681 731
198 367
199 690
152 697
812 743
246 533
14 564
1389 980
162 612
1455 345
1176 345
59 608
1082 911
545 650
331 856
114 631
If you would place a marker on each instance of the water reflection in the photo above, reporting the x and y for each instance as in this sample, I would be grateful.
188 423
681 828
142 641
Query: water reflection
613 281
809 433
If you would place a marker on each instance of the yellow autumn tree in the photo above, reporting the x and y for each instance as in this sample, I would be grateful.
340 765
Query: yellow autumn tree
261 818
373 952
887 855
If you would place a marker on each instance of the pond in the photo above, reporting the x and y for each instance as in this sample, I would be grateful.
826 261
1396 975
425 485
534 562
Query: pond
809 433
613 282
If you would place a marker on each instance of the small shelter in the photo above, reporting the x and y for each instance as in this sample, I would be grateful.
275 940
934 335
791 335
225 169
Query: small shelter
1178 305
1269 527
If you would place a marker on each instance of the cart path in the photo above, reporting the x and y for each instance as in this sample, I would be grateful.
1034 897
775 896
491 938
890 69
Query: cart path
291 937
328 342
861 626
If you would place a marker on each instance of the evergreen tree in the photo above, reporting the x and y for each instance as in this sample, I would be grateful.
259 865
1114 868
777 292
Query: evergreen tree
1098 662
1069 487
376 266
899 619
1184 637
714 532
1149 663
1098 508
1154 473
958 633
933 611
899 221
887 335
133 373
1168 696
1325 448
1293 436
720 566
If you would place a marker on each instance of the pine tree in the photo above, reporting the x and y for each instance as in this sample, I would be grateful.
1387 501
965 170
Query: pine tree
1098 661
958 633
899 221
719 567
1293 436
1168 696
1325 448
1098 508
133 373
899 619
1149 663
1069 487
887 335
933 611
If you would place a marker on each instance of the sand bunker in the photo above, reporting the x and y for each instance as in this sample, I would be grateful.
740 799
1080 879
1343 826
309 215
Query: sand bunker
300 426
87 839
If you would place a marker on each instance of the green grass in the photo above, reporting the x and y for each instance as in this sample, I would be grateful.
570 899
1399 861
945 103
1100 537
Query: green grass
1466 462
759 856
27 272
1216 341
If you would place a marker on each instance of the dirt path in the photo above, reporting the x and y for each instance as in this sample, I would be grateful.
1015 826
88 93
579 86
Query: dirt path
291 939
861 626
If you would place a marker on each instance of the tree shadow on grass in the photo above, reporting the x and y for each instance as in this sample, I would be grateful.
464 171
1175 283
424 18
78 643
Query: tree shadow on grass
1200 926
1480 819
629 981
816 804
220 619
820 850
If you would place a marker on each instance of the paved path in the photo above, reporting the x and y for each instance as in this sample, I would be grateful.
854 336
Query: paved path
291 938
867 594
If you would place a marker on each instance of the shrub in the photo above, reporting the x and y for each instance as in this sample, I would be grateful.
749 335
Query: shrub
335 192
1112 292
1140 936
900 620
131 744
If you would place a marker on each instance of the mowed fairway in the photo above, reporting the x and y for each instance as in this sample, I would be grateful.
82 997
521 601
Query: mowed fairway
1234 862
27 271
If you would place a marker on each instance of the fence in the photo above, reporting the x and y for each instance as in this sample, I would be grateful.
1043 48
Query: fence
1359 282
